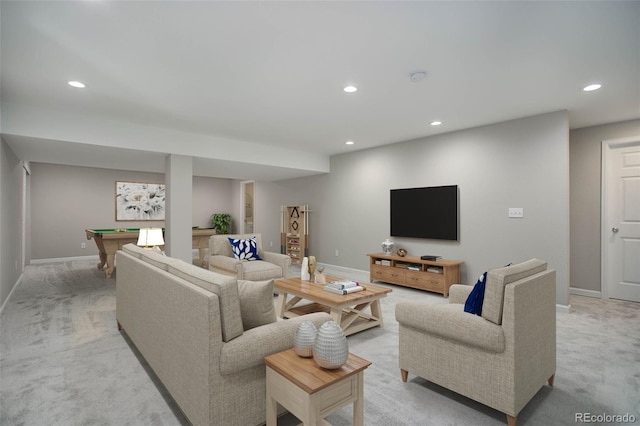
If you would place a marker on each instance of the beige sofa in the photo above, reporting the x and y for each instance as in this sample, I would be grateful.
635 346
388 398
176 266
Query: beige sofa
500 359
202 334
221 260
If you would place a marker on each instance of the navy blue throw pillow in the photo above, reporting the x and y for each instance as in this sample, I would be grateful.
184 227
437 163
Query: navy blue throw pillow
473 305
245 249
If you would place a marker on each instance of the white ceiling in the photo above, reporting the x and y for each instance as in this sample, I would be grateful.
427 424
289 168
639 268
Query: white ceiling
259 84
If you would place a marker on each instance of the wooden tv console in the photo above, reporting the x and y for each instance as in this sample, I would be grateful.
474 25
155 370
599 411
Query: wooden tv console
411 271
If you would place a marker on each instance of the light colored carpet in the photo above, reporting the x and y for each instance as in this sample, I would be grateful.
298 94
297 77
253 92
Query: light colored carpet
63 362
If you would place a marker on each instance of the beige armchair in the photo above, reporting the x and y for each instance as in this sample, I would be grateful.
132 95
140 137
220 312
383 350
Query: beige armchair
221 260
500 359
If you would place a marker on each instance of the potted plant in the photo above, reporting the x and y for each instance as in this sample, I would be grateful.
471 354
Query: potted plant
221 222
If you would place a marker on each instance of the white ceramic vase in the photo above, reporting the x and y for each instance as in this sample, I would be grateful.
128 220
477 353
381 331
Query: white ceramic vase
304 339
331 348
304 269
387 246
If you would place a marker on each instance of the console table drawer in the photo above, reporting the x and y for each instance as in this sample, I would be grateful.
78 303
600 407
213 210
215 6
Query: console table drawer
387 274
426 281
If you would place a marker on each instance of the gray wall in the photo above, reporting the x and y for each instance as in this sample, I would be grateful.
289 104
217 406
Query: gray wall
66 200
520 163
586 180
212 196
270 196
11 181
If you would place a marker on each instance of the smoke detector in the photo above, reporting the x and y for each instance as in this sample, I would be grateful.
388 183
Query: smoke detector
417 76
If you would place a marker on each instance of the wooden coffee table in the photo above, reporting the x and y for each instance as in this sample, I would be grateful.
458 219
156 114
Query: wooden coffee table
348 310
310 392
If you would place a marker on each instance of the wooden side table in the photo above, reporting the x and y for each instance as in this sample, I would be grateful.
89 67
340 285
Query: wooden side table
310 392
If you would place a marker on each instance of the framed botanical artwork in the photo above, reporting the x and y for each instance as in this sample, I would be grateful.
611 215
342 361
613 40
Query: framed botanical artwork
139 201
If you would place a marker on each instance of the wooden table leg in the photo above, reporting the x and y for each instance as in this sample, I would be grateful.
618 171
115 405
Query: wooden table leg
272 404
358 404
103 260
289 304
281 303
376 311
110 249
110 265
336 315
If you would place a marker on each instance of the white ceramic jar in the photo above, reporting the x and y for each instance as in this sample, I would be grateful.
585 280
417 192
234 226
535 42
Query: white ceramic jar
331 348
304 339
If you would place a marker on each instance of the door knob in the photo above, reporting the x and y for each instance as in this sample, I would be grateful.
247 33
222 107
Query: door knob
615 229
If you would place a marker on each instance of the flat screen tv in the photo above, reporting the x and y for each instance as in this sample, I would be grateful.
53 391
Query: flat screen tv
430 212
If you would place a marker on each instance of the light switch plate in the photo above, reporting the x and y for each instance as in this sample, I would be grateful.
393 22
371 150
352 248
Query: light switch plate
517 212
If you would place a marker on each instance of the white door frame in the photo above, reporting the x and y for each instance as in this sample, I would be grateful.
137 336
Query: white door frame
243 218
605 222
26 171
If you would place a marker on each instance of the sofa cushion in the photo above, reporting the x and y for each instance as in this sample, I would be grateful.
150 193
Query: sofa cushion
225 287
497 279
260 270
256 303
450 322
245 249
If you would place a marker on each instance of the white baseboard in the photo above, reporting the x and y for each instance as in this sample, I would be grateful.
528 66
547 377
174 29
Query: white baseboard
15 286
354 274
588 293
63 259
563 308
196 255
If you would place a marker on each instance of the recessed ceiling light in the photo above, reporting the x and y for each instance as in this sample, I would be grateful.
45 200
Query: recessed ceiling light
436 123
76 84
592 87
350 89
349 142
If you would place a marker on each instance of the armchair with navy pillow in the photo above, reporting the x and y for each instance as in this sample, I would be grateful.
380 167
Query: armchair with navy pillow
241 256
498 351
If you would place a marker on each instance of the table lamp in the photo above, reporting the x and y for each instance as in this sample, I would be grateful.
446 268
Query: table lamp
150 238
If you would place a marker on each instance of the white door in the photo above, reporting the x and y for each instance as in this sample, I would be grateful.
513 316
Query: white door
621 219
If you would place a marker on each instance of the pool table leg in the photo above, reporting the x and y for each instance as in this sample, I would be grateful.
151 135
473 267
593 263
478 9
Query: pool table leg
103 260
108 255
102 252
110 265
202 252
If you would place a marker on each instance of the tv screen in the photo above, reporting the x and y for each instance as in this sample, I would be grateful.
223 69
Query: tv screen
430 212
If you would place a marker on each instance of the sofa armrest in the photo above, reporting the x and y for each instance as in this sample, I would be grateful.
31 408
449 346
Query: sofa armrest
282 260
225 262
458 293
250 349
529 321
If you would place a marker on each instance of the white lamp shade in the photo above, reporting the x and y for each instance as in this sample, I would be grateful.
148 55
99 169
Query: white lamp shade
149 237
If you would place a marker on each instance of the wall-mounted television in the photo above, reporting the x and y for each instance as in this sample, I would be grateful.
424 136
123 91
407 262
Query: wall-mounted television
429 212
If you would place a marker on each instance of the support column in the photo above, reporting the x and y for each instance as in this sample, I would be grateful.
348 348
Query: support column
179 206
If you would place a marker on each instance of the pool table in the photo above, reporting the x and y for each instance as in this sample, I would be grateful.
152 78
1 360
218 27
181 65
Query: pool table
109 241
